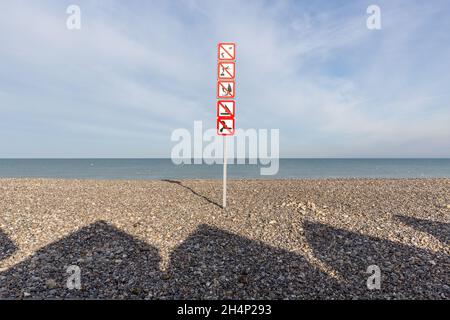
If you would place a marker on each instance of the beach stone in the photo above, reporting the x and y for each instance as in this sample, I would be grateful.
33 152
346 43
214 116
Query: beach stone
50 283
131 242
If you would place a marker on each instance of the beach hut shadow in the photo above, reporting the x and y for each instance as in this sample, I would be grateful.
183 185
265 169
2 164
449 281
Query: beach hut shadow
216 264
439 230
406 271
7 246
112 264
192 190
210 263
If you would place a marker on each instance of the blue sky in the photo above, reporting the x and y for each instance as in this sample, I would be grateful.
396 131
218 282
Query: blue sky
137 70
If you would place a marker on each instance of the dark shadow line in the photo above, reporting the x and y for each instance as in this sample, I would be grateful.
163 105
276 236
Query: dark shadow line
439 230
7 246
193 191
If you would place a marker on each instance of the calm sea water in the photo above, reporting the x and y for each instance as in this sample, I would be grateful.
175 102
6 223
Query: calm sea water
165 169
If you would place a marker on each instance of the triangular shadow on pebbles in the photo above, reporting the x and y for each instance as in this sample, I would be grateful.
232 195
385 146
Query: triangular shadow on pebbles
7 246
216 264
439 230
112 264
406 271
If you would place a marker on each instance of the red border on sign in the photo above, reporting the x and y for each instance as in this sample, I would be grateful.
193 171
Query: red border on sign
234 70
226 81
230 133
232 111
223 44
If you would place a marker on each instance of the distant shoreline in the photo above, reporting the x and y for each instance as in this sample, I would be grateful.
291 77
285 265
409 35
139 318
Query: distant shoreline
219 180
288 158
158 169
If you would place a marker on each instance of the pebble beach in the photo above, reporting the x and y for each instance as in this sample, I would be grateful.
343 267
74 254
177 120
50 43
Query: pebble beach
277 239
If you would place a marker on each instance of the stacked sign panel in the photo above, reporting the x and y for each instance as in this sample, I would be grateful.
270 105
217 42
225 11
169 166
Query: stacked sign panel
226 88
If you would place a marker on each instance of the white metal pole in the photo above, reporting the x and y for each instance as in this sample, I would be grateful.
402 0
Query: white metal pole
224 171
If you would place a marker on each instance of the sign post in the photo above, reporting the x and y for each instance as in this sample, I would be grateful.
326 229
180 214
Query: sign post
226 106
224 201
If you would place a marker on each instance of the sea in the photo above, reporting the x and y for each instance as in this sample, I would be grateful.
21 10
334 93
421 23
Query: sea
158 169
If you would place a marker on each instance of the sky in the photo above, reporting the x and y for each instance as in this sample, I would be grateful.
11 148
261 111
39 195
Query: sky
138 70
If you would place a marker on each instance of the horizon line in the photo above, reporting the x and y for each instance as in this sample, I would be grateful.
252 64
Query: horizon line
281 158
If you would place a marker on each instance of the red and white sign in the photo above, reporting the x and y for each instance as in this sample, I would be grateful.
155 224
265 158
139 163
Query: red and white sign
226 108
227 51
225 126
226 70
225 89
